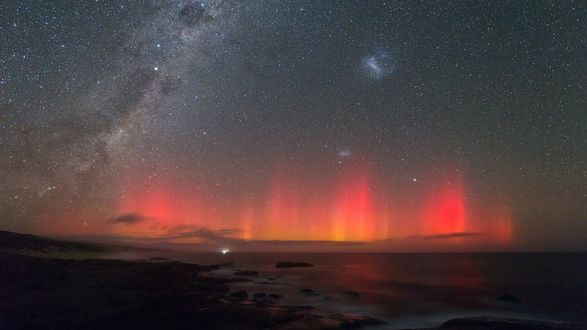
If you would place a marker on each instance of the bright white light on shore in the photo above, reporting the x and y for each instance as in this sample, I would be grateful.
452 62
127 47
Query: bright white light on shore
225 251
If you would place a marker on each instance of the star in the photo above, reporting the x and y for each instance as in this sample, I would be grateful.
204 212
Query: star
184 114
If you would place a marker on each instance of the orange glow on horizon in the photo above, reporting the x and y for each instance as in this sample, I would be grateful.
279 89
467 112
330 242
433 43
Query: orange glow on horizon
343 207
353 210
500 226
446 211
161 205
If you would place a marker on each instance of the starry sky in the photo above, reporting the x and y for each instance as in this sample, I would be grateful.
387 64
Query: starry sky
389 125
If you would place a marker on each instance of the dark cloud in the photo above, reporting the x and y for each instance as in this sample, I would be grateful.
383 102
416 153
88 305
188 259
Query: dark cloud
192 15
129 219
228 231
170 85
210 236
445 236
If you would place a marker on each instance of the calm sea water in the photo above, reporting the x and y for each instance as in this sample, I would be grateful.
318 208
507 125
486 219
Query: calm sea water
415 290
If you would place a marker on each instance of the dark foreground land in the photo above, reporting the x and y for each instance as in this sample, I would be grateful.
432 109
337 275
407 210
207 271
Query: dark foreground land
48 293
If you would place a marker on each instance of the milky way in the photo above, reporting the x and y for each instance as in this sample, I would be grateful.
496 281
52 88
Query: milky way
252 121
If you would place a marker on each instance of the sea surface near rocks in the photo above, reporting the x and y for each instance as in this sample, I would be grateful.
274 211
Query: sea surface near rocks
416 290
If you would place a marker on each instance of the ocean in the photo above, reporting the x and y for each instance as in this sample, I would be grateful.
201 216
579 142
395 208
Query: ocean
411 290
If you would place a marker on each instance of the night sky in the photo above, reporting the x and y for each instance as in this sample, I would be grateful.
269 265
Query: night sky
361 125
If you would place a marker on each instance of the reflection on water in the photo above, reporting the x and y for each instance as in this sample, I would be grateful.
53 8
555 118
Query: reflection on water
421 289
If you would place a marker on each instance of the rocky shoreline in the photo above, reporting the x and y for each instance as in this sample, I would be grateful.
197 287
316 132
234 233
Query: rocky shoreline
47 293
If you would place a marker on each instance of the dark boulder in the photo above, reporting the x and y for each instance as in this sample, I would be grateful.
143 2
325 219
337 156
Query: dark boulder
309 292
509 299
357 322
246 273
242 294
260 295
274 296
351 293
225 265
